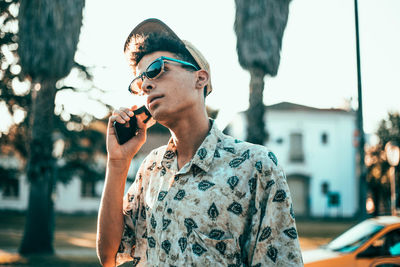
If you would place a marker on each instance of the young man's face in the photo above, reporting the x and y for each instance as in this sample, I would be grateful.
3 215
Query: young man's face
174 93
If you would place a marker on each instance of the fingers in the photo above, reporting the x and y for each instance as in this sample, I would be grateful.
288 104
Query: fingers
121 115
141 124
140 118
142 131
124 115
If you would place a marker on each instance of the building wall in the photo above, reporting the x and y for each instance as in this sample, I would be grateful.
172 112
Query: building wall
16 203
333 162
67 197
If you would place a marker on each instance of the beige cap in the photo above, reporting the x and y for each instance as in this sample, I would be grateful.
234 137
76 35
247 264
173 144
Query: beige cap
156 25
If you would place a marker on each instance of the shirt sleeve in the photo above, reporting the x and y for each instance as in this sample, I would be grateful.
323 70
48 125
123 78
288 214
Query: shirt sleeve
133 242
273 238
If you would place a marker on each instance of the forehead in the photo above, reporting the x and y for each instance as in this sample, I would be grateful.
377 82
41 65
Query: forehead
149 58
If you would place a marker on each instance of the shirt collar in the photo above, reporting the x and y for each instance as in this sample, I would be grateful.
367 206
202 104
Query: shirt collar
203 156
167 159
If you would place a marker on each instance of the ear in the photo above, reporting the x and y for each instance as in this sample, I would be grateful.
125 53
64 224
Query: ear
202 79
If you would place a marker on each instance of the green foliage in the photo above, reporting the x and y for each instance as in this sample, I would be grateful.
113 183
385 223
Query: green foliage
259 27
83 144
49 36
83 151
10 74
378 167
389 130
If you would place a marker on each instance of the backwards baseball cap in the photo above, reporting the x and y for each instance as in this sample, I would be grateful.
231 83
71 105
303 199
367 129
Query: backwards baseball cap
157 26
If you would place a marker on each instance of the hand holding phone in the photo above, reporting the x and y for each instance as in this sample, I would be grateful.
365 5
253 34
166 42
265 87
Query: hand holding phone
124 132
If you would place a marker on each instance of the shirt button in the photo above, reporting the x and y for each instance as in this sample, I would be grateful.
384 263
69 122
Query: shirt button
169 210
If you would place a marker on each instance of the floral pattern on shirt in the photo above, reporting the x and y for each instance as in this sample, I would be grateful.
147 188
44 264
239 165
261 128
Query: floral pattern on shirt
229 206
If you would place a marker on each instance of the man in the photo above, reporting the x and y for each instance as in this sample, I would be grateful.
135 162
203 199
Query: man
205 198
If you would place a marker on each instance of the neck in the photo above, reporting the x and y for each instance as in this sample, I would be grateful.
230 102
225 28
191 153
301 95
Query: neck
188 134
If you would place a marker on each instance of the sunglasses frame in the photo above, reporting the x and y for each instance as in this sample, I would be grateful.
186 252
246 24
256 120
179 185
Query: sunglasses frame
162 59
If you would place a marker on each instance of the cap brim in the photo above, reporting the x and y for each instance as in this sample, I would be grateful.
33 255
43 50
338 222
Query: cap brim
151 25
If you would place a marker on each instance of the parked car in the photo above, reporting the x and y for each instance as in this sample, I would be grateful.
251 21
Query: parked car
373 242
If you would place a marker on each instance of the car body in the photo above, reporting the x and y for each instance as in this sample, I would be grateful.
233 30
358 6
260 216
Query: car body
373 242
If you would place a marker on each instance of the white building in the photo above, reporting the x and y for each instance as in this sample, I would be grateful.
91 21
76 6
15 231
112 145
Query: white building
76 196
315 148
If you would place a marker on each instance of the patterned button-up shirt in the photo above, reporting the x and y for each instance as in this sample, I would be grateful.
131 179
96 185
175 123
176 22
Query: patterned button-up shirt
229 206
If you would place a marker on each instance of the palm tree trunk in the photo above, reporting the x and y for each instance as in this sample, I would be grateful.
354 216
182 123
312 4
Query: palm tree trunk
256 132
39 226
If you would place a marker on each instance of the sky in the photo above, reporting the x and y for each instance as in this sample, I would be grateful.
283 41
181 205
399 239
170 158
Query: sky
318 57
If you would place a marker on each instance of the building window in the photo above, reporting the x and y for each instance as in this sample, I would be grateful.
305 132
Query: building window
10 188
324 138
88 188
296 147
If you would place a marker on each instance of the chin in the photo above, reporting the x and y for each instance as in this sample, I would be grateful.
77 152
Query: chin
166 118
159 114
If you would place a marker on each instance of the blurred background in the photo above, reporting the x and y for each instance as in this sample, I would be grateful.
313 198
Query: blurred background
316 81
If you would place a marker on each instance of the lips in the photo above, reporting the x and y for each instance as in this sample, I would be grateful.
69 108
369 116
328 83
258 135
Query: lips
152 98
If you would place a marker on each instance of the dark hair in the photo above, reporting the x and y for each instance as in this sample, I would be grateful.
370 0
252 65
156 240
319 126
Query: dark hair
139 46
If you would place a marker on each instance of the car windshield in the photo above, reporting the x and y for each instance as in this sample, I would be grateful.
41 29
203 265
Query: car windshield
354 237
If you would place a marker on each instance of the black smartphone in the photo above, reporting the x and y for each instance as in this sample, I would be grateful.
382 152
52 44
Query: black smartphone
127 130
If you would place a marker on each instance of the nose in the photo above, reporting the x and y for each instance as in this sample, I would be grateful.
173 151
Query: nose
147 85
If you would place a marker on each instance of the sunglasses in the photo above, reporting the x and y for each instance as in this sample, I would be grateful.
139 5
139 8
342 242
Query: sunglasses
153 71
